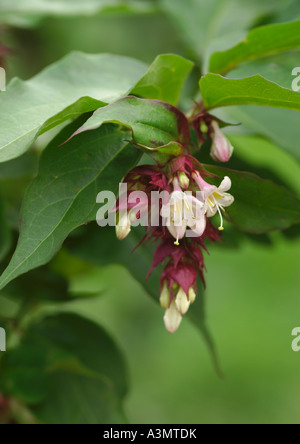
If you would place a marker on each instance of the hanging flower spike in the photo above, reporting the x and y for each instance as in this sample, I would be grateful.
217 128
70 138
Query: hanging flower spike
221 150
182 211
178 293
215 198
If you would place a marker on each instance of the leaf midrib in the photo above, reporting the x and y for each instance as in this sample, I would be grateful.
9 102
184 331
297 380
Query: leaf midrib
7 279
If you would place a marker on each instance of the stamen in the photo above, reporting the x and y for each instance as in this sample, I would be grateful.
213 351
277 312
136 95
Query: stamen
211 202
187 205
221 228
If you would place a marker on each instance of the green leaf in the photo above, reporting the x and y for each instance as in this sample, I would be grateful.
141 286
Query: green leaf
48 286
260 205
101 247
16 11
5 233
15 177
157 126
78 83
80 399
87 342
63 196
267 160
201 22
260 42
164 79
278 125
68 370
217 91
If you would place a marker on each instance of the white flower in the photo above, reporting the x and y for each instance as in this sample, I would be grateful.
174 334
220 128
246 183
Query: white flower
216 199
182 211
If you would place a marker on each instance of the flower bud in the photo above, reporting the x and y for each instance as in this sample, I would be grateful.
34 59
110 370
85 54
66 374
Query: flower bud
184 181
172 318
192 295
165 297
221 150
123 227
182 302
204 128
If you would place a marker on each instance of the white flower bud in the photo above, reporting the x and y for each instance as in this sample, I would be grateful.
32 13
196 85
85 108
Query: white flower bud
172 318
123 227
221 150
192 295
182 302
165 297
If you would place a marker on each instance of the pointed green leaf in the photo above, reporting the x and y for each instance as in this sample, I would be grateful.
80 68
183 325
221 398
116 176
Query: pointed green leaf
76 84
260 42
278 125
164 79
217 91
63 196
201 22
16 11
154 124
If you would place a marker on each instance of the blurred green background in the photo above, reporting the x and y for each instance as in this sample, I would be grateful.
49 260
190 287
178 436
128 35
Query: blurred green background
253 291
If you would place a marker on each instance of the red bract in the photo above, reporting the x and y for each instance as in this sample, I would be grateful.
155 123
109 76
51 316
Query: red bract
184 275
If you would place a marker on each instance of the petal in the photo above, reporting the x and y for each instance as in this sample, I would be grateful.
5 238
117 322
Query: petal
182 302
177 232
199 226
172 318
164 297
209 190
211 211
225 185
226 200
166 211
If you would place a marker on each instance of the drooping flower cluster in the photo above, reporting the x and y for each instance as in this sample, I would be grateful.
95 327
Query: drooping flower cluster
188 202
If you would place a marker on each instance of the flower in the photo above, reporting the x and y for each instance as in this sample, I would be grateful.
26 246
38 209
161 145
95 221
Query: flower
182 211
215 198
221 150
